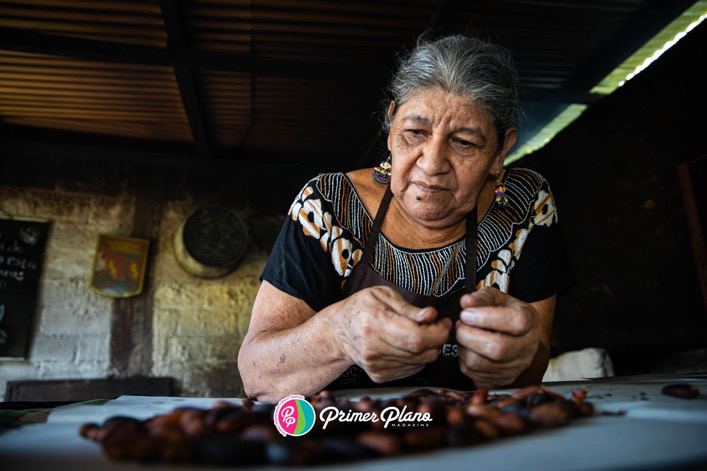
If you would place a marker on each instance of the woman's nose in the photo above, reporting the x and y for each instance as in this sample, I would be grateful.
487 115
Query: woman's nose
433 159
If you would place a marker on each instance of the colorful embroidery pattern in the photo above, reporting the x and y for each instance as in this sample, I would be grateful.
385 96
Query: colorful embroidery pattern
319 224
329 209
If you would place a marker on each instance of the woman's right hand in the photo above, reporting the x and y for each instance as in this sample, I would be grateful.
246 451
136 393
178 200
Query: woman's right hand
386 336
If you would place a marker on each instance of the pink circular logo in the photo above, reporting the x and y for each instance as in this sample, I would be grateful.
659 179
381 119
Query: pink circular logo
294 416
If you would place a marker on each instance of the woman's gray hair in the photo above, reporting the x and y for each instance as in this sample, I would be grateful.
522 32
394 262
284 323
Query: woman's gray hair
479 70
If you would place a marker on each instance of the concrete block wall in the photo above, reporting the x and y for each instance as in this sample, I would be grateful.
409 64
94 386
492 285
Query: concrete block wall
71 328
197 324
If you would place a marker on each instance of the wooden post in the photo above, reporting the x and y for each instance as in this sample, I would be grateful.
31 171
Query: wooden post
692 175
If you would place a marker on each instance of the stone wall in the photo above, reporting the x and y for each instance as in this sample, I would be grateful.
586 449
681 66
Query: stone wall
195 325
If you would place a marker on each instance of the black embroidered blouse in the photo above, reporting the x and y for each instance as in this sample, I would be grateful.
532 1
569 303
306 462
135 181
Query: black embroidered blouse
520 249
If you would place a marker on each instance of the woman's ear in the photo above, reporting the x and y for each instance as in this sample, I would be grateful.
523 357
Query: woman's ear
391 108
508 142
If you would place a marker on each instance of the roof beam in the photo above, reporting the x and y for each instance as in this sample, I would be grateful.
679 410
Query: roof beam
185 78
32 42
32 144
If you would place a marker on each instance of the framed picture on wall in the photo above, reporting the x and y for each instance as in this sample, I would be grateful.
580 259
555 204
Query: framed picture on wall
119 266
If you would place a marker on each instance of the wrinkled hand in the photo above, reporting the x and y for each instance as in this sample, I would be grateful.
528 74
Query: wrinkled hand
498 336
388 337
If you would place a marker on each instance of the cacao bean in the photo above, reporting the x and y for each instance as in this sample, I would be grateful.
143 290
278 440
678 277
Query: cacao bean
425 438
89 430
226 449
480 396
126 444
585 409
537 398
192 422
456 415
434 407
294 452
118 424
235 421
511 424
487 430
463 434
339 449
550 415
384 444
681 390
261 433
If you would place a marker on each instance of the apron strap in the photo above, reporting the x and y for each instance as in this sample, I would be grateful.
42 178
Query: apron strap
470 265
359 271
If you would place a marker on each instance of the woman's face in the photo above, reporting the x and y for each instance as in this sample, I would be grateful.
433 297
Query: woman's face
444 148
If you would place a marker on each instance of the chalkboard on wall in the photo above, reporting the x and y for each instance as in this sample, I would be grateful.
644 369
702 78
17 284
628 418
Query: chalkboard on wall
22 244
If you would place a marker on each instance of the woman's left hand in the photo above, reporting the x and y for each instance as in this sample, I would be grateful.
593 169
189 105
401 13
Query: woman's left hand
498 337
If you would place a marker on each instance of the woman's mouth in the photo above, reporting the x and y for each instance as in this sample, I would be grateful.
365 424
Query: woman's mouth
427 188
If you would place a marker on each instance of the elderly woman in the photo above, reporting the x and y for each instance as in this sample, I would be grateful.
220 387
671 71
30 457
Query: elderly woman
437 268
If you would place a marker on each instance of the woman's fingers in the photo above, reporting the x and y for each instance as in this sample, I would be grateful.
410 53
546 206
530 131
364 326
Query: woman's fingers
512 320
405 335
494 310
494 346
401 307
485 371
402 326
387 336
493 358
486 296
391 374
383 362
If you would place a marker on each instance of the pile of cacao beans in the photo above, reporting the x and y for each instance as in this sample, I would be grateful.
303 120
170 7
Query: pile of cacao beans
244 434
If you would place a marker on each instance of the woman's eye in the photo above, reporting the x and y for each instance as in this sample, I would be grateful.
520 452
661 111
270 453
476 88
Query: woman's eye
414 134
464 144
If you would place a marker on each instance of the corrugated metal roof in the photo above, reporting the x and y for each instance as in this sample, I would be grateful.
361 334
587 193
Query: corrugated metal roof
125 22
279 80
94 97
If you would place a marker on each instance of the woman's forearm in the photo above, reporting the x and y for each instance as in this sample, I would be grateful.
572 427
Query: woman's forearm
299 360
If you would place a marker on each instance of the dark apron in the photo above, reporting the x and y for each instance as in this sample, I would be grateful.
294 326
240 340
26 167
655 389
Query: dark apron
444 372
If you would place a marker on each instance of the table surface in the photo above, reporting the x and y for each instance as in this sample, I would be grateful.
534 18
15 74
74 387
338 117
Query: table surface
635 427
